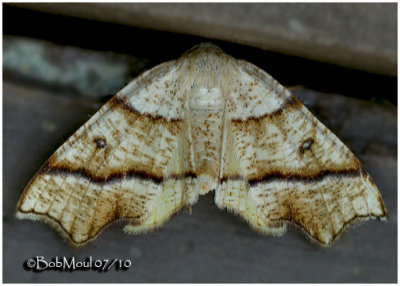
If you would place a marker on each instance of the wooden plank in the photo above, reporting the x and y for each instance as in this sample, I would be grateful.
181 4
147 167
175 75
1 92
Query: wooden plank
357 35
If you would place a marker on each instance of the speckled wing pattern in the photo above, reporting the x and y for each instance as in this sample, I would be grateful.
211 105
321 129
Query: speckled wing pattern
184 128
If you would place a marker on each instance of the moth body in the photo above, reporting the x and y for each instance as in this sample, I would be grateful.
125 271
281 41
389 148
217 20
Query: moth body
200 123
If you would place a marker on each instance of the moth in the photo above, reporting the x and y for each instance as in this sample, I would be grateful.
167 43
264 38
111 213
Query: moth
205 122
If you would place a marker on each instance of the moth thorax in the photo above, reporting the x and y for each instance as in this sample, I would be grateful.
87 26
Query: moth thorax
206 99
206 117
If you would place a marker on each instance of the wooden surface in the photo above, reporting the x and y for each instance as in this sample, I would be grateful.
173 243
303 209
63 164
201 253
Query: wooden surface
357 35
209 245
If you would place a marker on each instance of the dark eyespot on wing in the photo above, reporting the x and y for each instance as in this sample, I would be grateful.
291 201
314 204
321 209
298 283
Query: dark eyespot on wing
100 143
306 145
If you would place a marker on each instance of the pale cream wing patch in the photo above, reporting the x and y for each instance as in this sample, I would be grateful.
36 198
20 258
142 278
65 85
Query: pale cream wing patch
287 167
121 164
